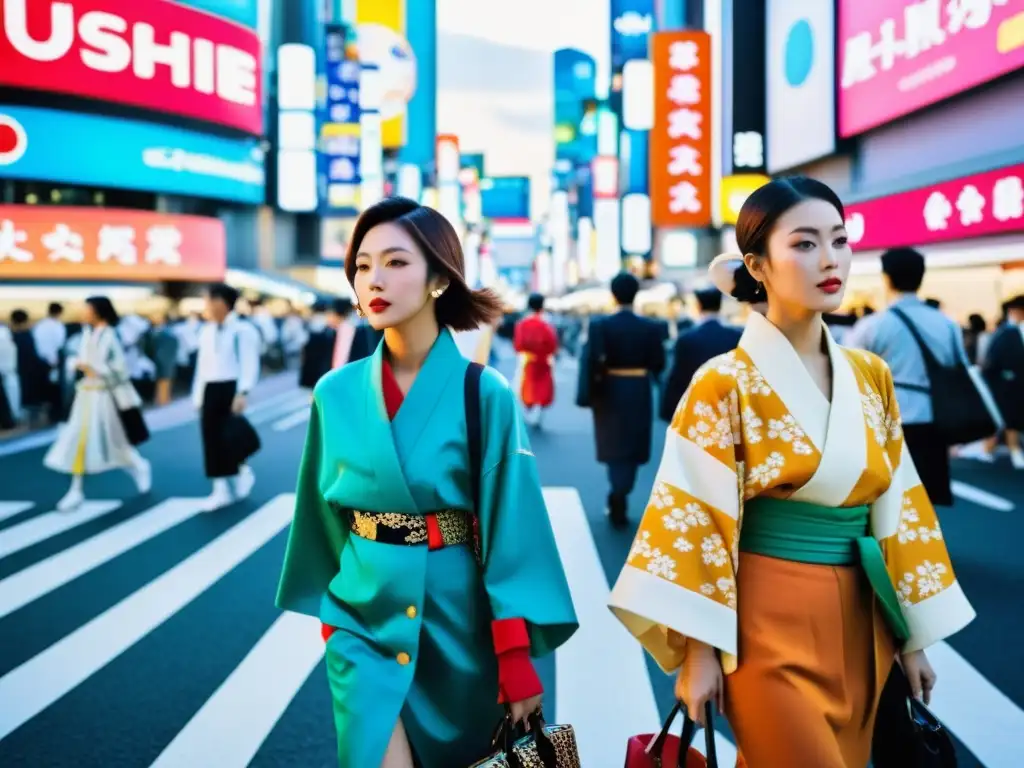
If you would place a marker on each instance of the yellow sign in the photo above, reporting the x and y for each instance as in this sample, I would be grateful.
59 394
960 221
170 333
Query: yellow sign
382 41
736 190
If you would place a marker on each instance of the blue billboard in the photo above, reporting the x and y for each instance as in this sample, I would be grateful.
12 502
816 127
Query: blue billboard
632 25
339 130
73 148
505 197
244 12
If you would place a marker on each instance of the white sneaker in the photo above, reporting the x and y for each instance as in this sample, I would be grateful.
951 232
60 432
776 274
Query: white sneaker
244 482
142 474
1017 458
72 500
220 497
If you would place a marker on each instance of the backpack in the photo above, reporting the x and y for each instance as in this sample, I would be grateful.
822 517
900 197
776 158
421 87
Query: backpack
958 409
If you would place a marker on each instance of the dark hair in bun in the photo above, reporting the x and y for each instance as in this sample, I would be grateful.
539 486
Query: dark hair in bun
759 215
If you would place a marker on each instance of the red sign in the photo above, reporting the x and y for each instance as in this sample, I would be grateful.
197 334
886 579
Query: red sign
50 242
989 203
897 56
153 54
680 141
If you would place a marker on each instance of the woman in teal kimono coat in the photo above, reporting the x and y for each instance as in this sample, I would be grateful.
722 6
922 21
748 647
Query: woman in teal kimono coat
424 642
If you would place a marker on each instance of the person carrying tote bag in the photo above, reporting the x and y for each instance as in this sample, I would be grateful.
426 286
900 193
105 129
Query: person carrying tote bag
663 750
95 438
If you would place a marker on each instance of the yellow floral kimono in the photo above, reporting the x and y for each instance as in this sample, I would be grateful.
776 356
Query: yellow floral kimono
754 424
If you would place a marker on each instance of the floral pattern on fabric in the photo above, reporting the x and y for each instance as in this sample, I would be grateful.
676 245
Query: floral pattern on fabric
737 422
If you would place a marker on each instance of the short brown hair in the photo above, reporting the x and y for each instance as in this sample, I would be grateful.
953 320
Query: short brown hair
460 307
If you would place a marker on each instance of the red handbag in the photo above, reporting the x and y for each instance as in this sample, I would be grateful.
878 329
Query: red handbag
663 750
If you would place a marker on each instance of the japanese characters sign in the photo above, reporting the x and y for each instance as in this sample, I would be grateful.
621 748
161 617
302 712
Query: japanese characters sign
680 142
897 56
51 242
152 54
989 203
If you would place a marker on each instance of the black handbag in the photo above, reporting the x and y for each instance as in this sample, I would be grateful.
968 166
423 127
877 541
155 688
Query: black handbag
907 734
543 746
958 408
593 374
134 424
240 439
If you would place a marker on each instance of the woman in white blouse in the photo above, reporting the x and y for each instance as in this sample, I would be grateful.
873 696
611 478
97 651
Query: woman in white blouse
94 439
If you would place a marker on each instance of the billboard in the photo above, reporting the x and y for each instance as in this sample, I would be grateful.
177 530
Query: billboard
127 154
505 197
680 142
245 12
745 92
897 56
990 203
55 243
339 131
151 54
800 69
382 42
632 26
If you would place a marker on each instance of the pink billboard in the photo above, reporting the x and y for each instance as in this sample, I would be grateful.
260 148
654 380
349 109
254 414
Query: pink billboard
989 203
897 56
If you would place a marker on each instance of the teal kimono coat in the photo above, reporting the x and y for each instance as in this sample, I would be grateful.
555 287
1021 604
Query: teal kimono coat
414 638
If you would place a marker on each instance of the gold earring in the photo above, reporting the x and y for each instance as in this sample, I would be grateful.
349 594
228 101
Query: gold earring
359 311
436 293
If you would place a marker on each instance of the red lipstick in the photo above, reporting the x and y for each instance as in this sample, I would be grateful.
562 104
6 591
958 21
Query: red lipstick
379 305
831 285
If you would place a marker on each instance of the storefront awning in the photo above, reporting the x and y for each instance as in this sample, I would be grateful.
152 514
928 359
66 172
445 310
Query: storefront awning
271 284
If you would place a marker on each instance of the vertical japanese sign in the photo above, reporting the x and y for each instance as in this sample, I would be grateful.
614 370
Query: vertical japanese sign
381 32
340 134
680 142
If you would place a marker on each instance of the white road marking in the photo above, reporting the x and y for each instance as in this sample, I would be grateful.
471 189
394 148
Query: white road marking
291 421
602 662
978 714
12 508
37 529
981 497
285 408
32 687
43 577
233 723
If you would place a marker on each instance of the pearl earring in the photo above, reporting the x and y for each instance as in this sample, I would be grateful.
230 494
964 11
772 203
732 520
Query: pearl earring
436 293
359 311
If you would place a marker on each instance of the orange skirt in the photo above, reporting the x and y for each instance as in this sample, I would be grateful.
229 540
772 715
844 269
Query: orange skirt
813 657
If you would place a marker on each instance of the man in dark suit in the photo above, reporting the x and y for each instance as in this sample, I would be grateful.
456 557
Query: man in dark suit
707 339
621 359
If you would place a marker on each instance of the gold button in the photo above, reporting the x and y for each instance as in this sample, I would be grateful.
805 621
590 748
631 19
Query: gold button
411 612
403 658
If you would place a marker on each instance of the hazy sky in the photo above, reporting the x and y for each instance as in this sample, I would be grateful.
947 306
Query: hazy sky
495 77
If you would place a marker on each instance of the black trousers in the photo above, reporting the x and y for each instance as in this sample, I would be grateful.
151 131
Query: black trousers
930 453
214 418
622 477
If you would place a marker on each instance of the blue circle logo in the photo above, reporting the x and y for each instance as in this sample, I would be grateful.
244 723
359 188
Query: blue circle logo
799 53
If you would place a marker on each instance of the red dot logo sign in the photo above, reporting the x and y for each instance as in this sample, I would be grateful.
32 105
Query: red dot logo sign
13 140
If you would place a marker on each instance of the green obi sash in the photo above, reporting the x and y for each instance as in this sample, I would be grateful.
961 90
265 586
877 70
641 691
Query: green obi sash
809 533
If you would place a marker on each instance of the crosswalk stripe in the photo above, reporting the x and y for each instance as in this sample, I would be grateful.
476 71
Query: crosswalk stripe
582 663
981 497
979 714
47 575
18 537
32 687
293 420
12 508
230 727
279 411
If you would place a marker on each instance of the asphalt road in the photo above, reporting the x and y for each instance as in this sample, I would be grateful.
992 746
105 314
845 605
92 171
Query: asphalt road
141 632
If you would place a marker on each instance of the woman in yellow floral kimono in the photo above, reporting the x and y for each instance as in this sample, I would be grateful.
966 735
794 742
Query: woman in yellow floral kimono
789 551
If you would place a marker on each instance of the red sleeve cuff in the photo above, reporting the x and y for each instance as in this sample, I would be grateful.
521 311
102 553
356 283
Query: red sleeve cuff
517 677
509 634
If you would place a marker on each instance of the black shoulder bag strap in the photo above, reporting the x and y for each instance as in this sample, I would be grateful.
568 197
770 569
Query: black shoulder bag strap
474 434
931 363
